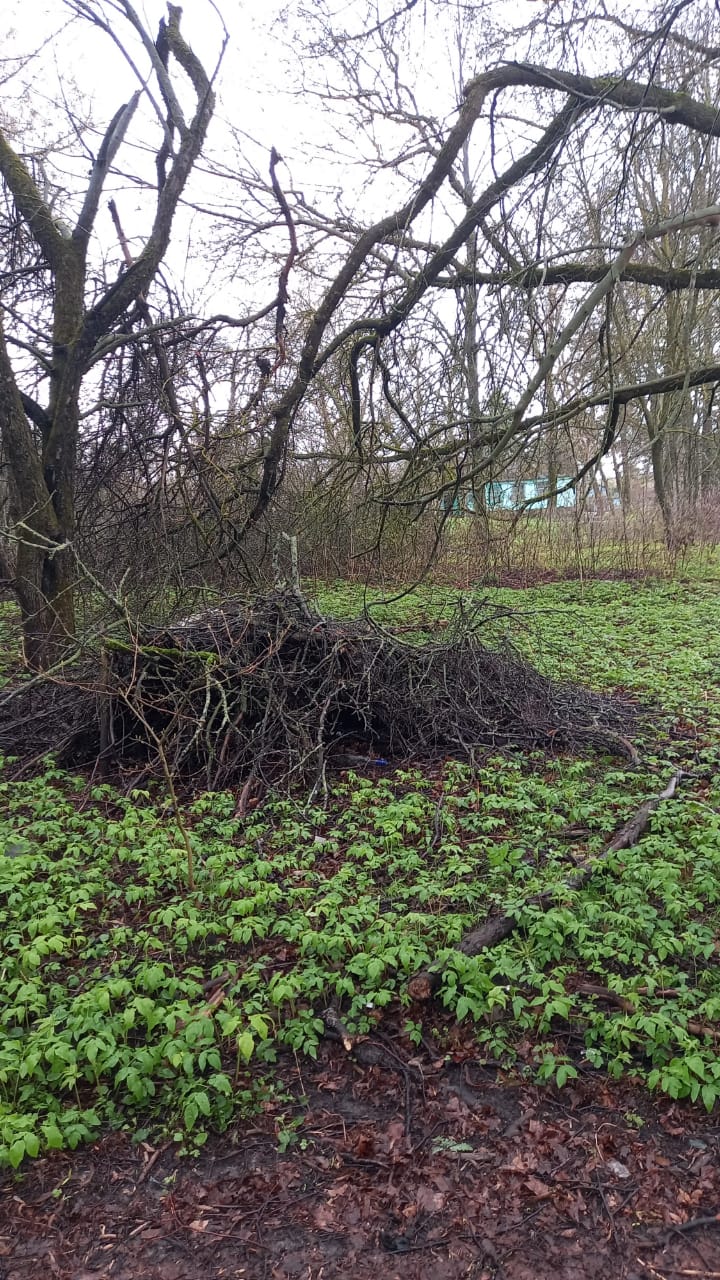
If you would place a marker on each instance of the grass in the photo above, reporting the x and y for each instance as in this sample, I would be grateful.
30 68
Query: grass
562 546
127 1000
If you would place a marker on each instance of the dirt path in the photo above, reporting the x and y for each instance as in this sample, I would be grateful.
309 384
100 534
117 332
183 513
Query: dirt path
438 1172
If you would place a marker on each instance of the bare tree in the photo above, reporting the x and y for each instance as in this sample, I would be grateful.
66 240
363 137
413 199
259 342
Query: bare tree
539 296
400 356
40 439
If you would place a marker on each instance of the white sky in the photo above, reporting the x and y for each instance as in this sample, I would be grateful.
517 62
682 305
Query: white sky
259 96
43 50
259 89
256 88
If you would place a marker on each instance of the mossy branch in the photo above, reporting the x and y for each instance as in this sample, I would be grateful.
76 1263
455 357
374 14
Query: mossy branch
31 206
157 651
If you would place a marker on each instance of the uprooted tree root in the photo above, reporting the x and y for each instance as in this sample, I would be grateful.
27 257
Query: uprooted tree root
271 691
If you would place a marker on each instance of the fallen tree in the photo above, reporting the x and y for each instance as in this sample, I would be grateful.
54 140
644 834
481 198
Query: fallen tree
271 692
495 929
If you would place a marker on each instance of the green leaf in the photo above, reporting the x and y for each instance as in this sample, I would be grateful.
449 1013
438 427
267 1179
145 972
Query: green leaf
462 1008
245 1046
52 1135
16 1153
709 1095
259 1025
696 1064
32 1144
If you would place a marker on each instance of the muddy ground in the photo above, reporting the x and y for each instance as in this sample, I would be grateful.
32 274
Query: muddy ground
432 1169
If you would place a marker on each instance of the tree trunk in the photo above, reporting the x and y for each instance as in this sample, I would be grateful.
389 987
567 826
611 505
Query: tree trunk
708 450
469 354
42 481
44 588
657 459
44 571
43 458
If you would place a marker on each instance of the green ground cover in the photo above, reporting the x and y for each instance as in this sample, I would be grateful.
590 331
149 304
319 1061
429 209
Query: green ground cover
112 972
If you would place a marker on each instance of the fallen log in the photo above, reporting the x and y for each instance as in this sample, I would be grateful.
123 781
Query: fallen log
628 1006
424 984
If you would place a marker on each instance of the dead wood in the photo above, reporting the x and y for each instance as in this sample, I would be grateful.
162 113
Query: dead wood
629 1006
256 694
424 984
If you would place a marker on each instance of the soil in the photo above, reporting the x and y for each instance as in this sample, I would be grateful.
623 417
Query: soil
409 1168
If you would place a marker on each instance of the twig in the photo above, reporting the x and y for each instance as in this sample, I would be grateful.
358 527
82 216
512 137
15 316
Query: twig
693 1224
152 1162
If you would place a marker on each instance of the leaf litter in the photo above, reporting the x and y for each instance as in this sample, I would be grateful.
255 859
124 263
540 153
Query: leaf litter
478 1177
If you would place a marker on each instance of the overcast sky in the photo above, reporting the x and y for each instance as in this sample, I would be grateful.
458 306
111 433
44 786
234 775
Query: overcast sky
260 97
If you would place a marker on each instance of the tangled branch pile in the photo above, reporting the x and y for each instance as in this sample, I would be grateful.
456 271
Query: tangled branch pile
273 691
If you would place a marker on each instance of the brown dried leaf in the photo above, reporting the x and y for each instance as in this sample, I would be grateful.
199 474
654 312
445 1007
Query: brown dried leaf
324 1218
364 1144
396 1134
523 1162
429 1201
539 1189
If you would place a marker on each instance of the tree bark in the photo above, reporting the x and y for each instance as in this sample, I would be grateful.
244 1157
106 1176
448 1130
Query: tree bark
44 564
